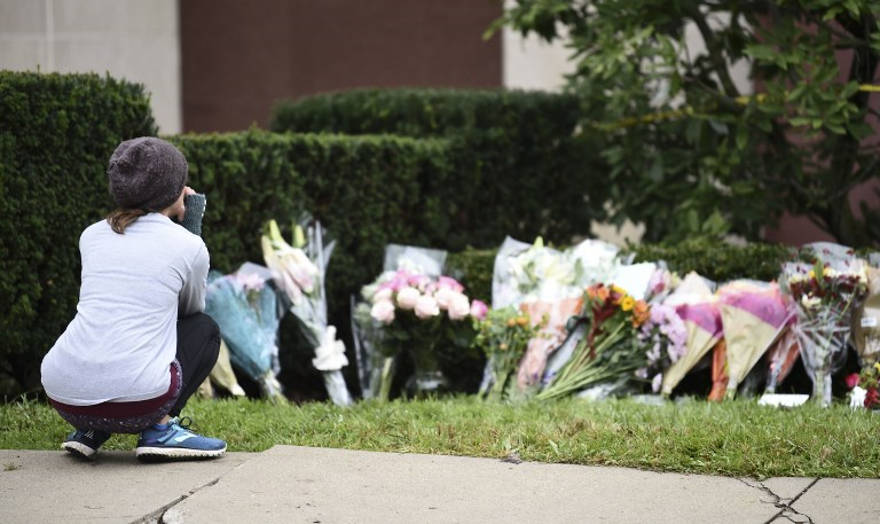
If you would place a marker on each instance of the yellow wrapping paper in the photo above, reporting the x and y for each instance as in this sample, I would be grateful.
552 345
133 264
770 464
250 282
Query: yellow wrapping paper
748 338
222 374
696 305
699 342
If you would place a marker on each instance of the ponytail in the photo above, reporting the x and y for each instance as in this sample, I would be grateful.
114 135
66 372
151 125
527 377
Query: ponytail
122 218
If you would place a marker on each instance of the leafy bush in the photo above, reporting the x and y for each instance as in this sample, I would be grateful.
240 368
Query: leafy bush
56 134
524 171
718 261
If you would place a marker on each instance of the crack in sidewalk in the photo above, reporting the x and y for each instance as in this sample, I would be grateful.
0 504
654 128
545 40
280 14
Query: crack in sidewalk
786 510
157 517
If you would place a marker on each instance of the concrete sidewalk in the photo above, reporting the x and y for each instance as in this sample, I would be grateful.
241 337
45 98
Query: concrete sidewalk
317 485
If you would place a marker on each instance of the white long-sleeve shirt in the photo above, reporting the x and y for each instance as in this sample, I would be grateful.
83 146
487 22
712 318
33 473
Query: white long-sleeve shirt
123 338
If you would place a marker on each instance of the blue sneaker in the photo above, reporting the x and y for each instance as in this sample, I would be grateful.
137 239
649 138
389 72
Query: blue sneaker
175 440
84 443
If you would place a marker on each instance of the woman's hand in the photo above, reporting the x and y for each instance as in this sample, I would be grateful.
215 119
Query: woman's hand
178 209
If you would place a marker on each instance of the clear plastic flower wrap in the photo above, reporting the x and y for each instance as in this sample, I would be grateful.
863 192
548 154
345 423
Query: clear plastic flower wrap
411 307
299 270
826 287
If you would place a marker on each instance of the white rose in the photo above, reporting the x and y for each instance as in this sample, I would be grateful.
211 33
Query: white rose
810 302
407 297
459 307
383 295
383 312
426 307
444 297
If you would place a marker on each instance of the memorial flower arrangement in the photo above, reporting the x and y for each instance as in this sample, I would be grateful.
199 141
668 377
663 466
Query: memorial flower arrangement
247 312
663 337
865 387
299 270
503 336
610 349
824 298
414 312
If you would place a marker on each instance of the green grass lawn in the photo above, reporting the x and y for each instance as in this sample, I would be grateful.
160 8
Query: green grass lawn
732 438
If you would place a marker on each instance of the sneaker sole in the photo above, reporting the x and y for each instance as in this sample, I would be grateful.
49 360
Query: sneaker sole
160 453
78 449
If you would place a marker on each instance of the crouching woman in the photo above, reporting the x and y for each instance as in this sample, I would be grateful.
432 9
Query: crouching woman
140 344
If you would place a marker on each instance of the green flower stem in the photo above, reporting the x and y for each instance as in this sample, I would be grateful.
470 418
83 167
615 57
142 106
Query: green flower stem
582 371
385 380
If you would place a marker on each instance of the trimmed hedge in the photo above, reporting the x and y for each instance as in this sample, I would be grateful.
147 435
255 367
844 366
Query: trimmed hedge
524 171
717 260
56 134
712 259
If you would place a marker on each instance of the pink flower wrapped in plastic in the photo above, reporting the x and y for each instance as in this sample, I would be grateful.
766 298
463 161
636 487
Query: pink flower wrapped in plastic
753 314
697 307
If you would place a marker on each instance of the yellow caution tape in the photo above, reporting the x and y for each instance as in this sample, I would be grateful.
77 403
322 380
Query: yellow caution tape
671 115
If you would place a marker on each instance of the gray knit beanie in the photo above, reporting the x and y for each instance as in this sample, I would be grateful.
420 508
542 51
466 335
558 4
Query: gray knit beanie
146 173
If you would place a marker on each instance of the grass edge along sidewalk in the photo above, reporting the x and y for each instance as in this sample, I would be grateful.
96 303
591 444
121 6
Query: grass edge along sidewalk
737 438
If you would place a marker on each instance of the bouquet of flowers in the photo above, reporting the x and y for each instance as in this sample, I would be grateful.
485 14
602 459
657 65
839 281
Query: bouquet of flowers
697 307
411 311
753 314
663 337
534 272
610 348
248 313
865 387
299 270
550 318
825 295
866 324
503 336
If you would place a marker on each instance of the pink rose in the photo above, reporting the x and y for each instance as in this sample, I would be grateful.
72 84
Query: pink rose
407 297
451 283
459 307
426 307
418 281
383 312
852 380
479 309
383 295
444 296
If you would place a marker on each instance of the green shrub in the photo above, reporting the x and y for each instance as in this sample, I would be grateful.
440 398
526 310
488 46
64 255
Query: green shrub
521 169
368 191
718 261
56 134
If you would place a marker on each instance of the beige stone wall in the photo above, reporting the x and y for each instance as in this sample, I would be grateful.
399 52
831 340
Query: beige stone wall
132 39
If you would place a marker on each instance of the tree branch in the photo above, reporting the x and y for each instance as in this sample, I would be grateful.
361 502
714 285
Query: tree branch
715 54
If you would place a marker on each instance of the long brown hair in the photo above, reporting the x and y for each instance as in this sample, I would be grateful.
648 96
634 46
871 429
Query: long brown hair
120 219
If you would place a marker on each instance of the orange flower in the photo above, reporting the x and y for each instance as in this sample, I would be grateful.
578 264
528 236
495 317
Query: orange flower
522 321
641 312
602 293
591 292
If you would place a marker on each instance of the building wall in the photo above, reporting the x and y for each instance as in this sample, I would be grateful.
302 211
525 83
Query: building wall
131 39
240 57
